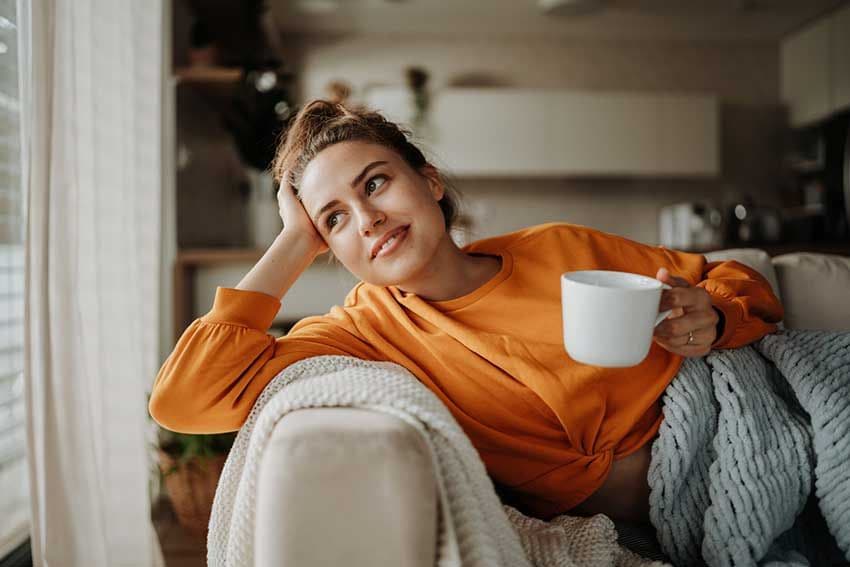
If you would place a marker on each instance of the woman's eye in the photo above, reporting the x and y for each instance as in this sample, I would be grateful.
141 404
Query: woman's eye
371 182
371 186
330 218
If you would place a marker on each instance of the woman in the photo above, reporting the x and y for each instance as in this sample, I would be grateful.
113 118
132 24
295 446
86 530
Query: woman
480 326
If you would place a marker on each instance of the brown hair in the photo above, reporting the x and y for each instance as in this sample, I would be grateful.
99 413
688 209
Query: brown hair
322 123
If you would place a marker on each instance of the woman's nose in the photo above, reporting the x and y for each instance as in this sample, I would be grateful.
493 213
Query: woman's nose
369 219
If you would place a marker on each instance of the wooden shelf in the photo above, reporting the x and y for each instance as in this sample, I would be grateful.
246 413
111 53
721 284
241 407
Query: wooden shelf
208 75
195 257
201 75
217 256
187 262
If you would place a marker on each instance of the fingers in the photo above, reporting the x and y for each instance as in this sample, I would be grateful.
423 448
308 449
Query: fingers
676 330
682 344
285 182
665 276
688 298
702 337
700 347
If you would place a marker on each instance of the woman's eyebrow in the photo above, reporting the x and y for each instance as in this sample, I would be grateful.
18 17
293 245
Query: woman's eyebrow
354 185
363 173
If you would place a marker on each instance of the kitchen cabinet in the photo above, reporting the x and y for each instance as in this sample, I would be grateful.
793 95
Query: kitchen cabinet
688 135
840 58
489 132
805 73
815 69
531 133
593 133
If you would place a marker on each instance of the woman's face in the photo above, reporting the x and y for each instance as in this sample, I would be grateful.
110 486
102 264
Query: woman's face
356 193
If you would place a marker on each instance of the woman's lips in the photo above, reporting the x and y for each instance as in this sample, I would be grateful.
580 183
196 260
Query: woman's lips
393 246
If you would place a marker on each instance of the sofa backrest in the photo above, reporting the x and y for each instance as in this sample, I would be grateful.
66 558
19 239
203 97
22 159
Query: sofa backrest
815 290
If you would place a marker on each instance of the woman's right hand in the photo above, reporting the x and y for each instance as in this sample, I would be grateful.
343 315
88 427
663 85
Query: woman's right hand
295 217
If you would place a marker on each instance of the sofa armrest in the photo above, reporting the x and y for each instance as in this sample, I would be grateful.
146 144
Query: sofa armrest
345 486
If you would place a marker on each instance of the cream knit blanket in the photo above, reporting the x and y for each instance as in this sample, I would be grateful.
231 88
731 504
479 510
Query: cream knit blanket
475 528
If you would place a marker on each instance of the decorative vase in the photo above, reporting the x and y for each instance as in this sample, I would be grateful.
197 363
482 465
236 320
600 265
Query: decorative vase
191 488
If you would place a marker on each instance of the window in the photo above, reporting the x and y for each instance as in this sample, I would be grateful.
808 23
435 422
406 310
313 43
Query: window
14 490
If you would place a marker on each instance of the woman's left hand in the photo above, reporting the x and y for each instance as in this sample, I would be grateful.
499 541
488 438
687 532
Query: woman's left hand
691 328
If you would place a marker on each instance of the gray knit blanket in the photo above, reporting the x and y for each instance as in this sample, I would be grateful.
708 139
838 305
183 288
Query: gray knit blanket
750 437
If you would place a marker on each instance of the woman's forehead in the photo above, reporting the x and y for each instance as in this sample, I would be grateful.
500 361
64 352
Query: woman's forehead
333 169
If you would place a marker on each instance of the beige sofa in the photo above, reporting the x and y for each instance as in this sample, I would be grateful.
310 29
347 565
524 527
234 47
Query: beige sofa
341 486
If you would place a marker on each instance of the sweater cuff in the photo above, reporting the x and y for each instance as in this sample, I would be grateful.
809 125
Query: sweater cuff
731 319
252 309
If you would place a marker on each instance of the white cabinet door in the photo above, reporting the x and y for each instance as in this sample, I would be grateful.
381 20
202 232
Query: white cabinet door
602 133
840 59
514 133
480 132
395 103
688 135
805 73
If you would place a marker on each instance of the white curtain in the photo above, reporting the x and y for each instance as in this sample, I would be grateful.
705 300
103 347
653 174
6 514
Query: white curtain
92 165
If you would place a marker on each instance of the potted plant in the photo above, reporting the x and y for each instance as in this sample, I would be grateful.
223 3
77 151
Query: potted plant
190 466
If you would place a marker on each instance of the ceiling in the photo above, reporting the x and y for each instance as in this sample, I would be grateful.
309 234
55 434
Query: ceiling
658 20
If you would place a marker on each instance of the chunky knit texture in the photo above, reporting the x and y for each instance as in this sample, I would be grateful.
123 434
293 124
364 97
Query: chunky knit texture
475 528
744 433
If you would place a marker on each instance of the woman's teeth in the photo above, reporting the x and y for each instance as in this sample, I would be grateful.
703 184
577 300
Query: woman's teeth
387 243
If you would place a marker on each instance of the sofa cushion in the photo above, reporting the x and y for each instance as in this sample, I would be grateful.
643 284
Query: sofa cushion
816 290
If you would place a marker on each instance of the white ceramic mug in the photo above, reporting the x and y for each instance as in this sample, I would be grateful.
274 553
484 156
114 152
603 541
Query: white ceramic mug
609 317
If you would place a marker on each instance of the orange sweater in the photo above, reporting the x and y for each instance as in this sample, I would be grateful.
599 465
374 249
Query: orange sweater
546 427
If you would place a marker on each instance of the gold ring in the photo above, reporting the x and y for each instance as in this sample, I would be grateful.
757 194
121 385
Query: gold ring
690 337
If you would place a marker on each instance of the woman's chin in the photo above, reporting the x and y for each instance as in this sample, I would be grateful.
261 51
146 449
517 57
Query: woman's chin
392 273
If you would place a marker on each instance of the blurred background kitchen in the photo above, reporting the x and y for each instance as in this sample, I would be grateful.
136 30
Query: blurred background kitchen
693 125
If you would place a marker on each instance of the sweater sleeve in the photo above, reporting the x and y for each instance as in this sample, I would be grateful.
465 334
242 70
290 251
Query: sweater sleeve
749 308
224 360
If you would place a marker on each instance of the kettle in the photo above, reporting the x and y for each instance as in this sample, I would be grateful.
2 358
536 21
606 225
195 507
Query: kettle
691 226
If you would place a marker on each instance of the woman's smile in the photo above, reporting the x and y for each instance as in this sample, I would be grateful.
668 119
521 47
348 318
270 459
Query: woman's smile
392 244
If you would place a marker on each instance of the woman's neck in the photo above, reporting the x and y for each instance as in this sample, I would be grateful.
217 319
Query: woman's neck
453 273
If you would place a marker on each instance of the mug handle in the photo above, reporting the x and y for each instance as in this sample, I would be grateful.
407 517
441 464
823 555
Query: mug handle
663 315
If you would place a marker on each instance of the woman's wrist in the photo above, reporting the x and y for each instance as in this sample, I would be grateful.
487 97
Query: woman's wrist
285 260
296 243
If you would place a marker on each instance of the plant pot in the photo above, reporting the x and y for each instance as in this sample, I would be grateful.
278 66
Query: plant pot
191 488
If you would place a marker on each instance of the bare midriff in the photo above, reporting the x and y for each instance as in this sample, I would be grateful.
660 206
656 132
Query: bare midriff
625 493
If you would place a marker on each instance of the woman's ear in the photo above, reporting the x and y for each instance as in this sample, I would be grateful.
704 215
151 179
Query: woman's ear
435 184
